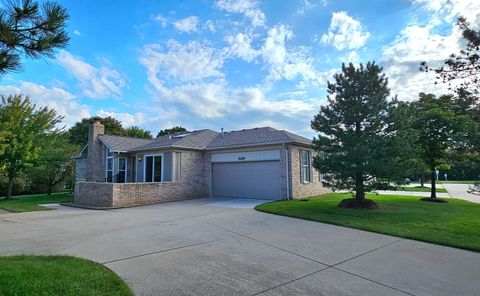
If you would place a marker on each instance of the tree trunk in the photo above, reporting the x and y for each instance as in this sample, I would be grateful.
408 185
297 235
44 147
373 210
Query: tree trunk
359 187
422 179
9 187
49 190
434 188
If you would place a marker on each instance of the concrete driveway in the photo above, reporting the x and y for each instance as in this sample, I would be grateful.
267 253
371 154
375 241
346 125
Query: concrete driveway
460 191
200 247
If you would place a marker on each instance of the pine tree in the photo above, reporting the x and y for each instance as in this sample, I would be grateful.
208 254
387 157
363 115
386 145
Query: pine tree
353 128
28 29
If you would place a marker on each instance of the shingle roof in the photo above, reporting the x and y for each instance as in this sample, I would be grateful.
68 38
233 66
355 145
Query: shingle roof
122 144
256 136
194 140
205 139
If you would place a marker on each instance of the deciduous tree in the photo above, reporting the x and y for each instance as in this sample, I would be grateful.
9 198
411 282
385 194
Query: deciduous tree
27 126
172 131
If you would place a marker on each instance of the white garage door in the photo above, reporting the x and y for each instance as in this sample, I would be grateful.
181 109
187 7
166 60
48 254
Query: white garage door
259 179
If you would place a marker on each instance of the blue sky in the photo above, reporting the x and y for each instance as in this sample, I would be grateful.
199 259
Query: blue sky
233 63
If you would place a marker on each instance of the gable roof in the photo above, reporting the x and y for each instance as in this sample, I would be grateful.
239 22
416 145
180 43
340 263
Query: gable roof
192 140
122 144
205 140
256 136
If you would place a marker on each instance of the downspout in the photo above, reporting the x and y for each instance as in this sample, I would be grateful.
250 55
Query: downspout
287 170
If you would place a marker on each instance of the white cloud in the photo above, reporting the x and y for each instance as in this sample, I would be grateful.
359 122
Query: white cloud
77 32
254 99
425 42
186 25
241 46
288 64
449 10
65 103
210 26
96 82
185 62
310 4
249 8
162 20
345 32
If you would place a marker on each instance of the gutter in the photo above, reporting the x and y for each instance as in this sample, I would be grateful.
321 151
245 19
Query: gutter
287 171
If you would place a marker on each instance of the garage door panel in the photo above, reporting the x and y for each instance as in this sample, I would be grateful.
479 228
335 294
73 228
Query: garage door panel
246 179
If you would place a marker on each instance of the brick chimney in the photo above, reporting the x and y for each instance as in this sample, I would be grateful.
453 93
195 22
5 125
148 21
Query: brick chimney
95 161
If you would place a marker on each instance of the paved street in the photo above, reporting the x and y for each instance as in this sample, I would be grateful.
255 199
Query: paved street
223 247
460 191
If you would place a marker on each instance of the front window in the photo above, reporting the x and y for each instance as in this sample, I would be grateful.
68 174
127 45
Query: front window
153 168
122 170
109 170
305 166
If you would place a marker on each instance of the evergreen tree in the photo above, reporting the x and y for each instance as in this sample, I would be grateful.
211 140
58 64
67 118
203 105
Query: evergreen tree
464 66
30 30
353 130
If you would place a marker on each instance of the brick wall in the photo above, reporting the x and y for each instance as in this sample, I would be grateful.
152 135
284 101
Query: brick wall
93 194
192 184
95 158
300 189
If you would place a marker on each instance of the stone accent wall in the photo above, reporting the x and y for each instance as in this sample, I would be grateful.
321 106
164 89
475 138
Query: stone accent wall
118 195
94 194
95 159
299 189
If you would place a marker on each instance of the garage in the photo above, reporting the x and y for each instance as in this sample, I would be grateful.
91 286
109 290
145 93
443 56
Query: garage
247 175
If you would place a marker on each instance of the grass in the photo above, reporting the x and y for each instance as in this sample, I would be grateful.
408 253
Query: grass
28 203
57 275
459 182
455 223
420 189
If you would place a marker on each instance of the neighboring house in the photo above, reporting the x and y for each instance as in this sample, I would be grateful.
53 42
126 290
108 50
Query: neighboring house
262 163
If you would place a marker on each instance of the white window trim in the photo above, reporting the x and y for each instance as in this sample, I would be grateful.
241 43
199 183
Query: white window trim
107 150
153 166
126 167
308 166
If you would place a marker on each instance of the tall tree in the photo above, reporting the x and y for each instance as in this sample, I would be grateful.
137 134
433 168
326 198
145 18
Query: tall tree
352 130
464 66
27 126
78 133
172 131
54 164
31 30
436 124
137 132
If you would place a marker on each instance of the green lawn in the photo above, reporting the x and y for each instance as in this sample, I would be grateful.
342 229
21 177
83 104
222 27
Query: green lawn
419 189
28 203
456 223
459 182
57 275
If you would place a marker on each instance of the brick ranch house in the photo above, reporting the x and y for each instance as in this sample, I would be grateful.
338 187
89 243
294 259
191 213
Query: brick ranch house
262 163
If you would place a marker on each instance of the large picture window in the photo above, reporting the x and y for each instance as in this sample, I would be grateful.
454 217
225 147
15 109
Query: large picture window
153 168
305 175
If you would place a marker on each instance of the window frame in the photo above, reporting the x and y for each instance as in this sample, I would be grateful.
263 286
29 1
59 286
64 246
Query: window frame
125 170
153 167
305 176
111 157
